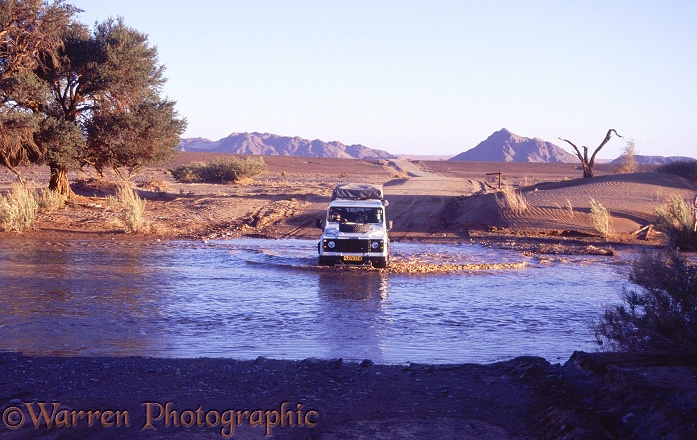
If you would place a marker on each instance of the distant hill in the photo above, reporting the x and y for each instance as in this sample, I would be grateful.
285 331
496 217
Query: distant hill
651 160
504 146
275 145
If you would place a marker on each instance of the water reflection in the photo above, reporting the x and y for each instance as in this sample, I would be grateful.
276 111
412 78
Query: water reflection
247 298
63 299
353 284
351 313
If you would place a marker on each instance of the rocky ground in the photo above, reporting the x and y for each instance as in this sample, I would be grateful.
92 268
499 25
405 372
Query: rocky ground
592 396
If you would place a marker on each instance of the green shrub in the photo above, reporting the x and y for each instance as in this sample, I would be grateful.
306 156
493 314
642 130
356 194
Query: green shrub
657 316
188 173
221 170
684 168
677 219
18 209
132 213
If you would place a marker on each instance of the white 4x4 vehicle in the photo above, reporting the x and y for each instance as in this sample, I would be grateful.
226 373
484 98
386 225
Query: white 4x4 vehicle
354 230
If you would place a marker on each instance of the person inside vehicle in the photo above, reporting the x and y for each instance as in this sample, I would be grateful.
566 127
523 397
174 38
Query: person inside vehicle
336 216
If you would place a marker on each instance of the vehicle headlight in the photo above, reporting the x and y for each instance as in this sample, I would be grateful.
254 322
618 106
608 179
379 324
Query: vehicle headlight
331 244
376 245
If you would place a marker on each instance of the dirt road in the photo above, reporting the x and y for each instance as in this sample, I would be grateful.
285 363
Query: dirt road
419 202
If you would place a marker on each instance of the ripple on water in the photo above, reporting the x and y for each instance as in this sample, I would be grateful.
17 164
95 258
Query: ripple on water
246 298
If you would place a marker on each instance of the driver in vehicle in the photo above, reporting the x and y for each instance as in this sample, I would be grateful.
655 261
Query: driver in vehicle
336 216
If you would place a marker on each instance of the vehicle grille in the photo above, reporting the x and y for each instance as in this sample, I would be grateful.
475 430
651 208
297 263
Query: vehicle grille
352 246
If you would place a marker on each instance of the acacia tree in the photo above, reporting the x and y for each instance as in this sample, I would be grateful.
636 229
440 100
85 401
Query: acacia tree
71 97
30 30
108 83
143 134
589 164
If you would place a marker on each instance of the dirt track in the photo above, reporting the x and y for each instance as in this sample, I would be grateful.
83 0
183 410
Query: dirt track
418 201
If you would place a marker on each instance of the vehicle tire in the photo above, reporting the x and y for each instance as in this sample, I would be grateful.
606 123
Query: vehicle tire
380 263
361 228
327 261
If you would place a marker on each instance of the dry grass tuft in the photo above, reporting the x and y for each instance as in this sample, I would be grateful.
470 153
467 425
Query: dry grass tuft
511 199
50 200
18 209
132 212
569 208
601 217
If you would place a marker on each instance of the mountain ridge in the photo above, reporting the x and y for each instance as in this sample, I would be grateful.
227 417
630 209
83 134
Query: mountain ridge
276 145
651 160
505 146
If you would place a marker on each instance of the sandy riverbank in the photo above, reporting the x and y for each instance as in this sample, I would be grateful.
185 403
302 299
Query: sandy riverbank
432 201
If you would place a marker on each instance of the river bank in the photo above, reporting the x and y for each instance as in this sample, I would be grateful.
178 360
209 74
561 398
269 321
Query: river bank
429 202
589 396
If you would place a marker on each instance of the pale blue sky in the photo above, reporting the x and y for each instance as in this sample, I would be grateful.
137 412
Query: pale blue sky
428 77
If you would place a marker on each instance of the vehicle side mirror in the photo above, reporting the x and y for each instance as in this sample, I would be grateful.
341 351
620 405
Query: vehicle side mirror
319 223
389 225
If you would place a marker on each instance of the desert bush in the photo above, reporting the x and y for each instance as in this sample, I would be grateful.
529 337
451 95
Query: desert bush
18 209
684 168
221 170
132 210
659 315
677 220
511 199
50 200
629 163
188 173
600 217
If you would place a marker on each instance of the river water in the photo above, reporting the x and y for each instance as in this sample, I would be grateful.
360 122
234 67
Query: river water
251 297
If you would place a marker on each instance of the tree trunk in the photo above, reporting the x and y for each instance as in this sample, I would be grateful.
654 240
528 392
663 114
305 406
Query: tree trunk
59 181
589 165
588 171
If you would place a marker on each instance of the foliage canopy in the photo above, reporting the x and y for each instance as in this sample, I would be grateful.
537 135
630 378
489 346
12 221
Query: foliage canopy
660 314
72 96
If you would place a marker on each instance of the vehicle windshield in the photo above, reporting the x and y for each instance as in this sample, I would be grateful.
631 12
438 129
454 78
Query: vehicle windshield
355 215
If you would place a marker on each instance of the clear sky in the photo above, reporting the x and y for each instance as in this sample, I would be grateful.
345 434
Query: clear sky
428 77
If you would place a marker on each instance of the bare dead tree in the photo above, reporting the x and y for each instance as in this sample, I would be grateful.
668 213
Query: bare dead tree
588 165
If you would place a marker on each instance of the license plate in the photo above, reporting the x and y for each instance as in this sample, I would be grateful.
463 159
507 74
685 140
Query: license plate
353 258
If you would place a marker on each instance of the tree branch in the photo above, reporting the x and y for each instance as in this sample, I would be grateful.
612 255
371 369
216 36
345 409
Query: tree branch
605 141
6 163
578 152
